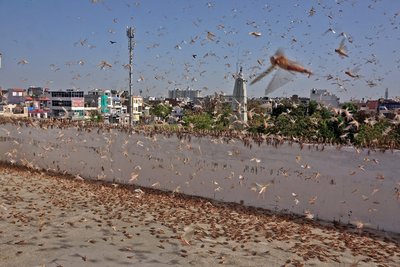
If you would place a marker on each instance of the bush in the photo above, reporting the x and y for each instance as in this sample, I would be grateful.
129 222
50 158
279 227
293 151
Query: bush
201 121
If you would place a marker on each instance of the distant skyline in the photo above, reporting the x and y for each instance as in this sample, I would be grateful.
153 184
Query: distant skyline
200 44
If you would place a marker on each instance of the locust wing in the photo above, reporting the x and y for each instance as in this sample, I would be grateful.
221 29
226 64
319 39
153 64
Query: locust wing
262 75
280 78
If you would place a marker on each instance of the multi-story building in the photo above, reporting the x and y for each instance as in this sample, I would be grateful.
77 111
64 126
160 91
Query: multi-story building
114 102
37 102
137 107
3 95
324 97
388 104
69 103
13 102
187 94
36 91
16 96
388 107
92 99
109 103
176 115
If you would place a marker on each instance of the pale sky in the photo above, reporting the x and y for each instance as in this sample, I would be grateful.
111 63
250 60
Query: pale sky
60 44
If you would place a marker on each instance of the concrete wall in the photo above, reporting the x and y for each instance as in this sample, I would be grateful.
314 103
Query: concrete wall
332 184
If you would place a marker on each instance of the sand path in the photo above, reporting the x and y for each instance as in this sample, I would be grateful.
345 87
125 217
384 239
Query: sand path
54 220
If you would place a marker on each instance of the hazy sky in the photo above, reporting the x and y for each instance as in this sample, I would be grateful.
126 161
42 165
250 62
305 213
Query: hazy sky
60 44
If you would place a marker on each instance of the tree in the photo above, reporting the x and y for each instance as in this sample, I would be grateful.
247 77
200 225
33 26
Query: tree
221 121
161 110
312 107
95 116
351 107
200 121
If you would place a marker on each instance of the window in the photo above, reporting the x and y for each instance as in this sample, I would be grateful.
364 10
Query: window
61 103
67 94
76 94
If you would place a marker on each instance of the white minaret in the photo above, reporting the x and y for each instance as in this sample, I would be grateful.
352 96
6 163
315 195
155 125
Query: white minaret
239 103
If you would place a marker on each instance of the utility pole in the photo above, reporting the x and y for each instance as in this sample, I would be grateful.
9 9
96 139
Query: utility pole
130 32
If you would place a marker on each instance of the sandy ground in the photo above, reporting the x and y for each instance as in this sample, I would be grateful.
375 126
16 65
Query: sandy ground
54 220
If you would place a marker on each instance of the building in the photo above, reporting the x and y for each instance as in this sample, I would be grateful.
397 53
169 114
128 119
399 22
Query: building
388 104
16 96
93 99
371 106
324 97
108 103
176 115
112 104
37 102
239 97
137 108
3 95
69 103
36 91
13 102
300 100
39 113
388 107
98 98
112 108
13 110
188 94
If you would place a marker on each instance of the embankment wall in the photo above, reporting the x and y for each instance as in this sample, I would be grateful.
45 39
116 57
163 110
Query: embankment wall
345 184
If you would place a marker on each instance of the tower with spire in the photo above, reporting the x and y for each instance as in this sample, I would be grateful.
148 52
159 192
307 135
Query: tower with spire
239 97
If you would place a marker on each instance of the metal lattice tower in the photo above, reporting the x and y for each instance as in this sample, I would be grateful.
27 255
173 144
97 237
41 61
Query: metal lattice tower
130 32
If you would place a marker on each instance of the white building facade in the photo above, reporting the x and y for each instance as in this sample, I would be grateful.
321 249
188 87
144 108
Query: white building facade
137 108
239 97
187 94
324 97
